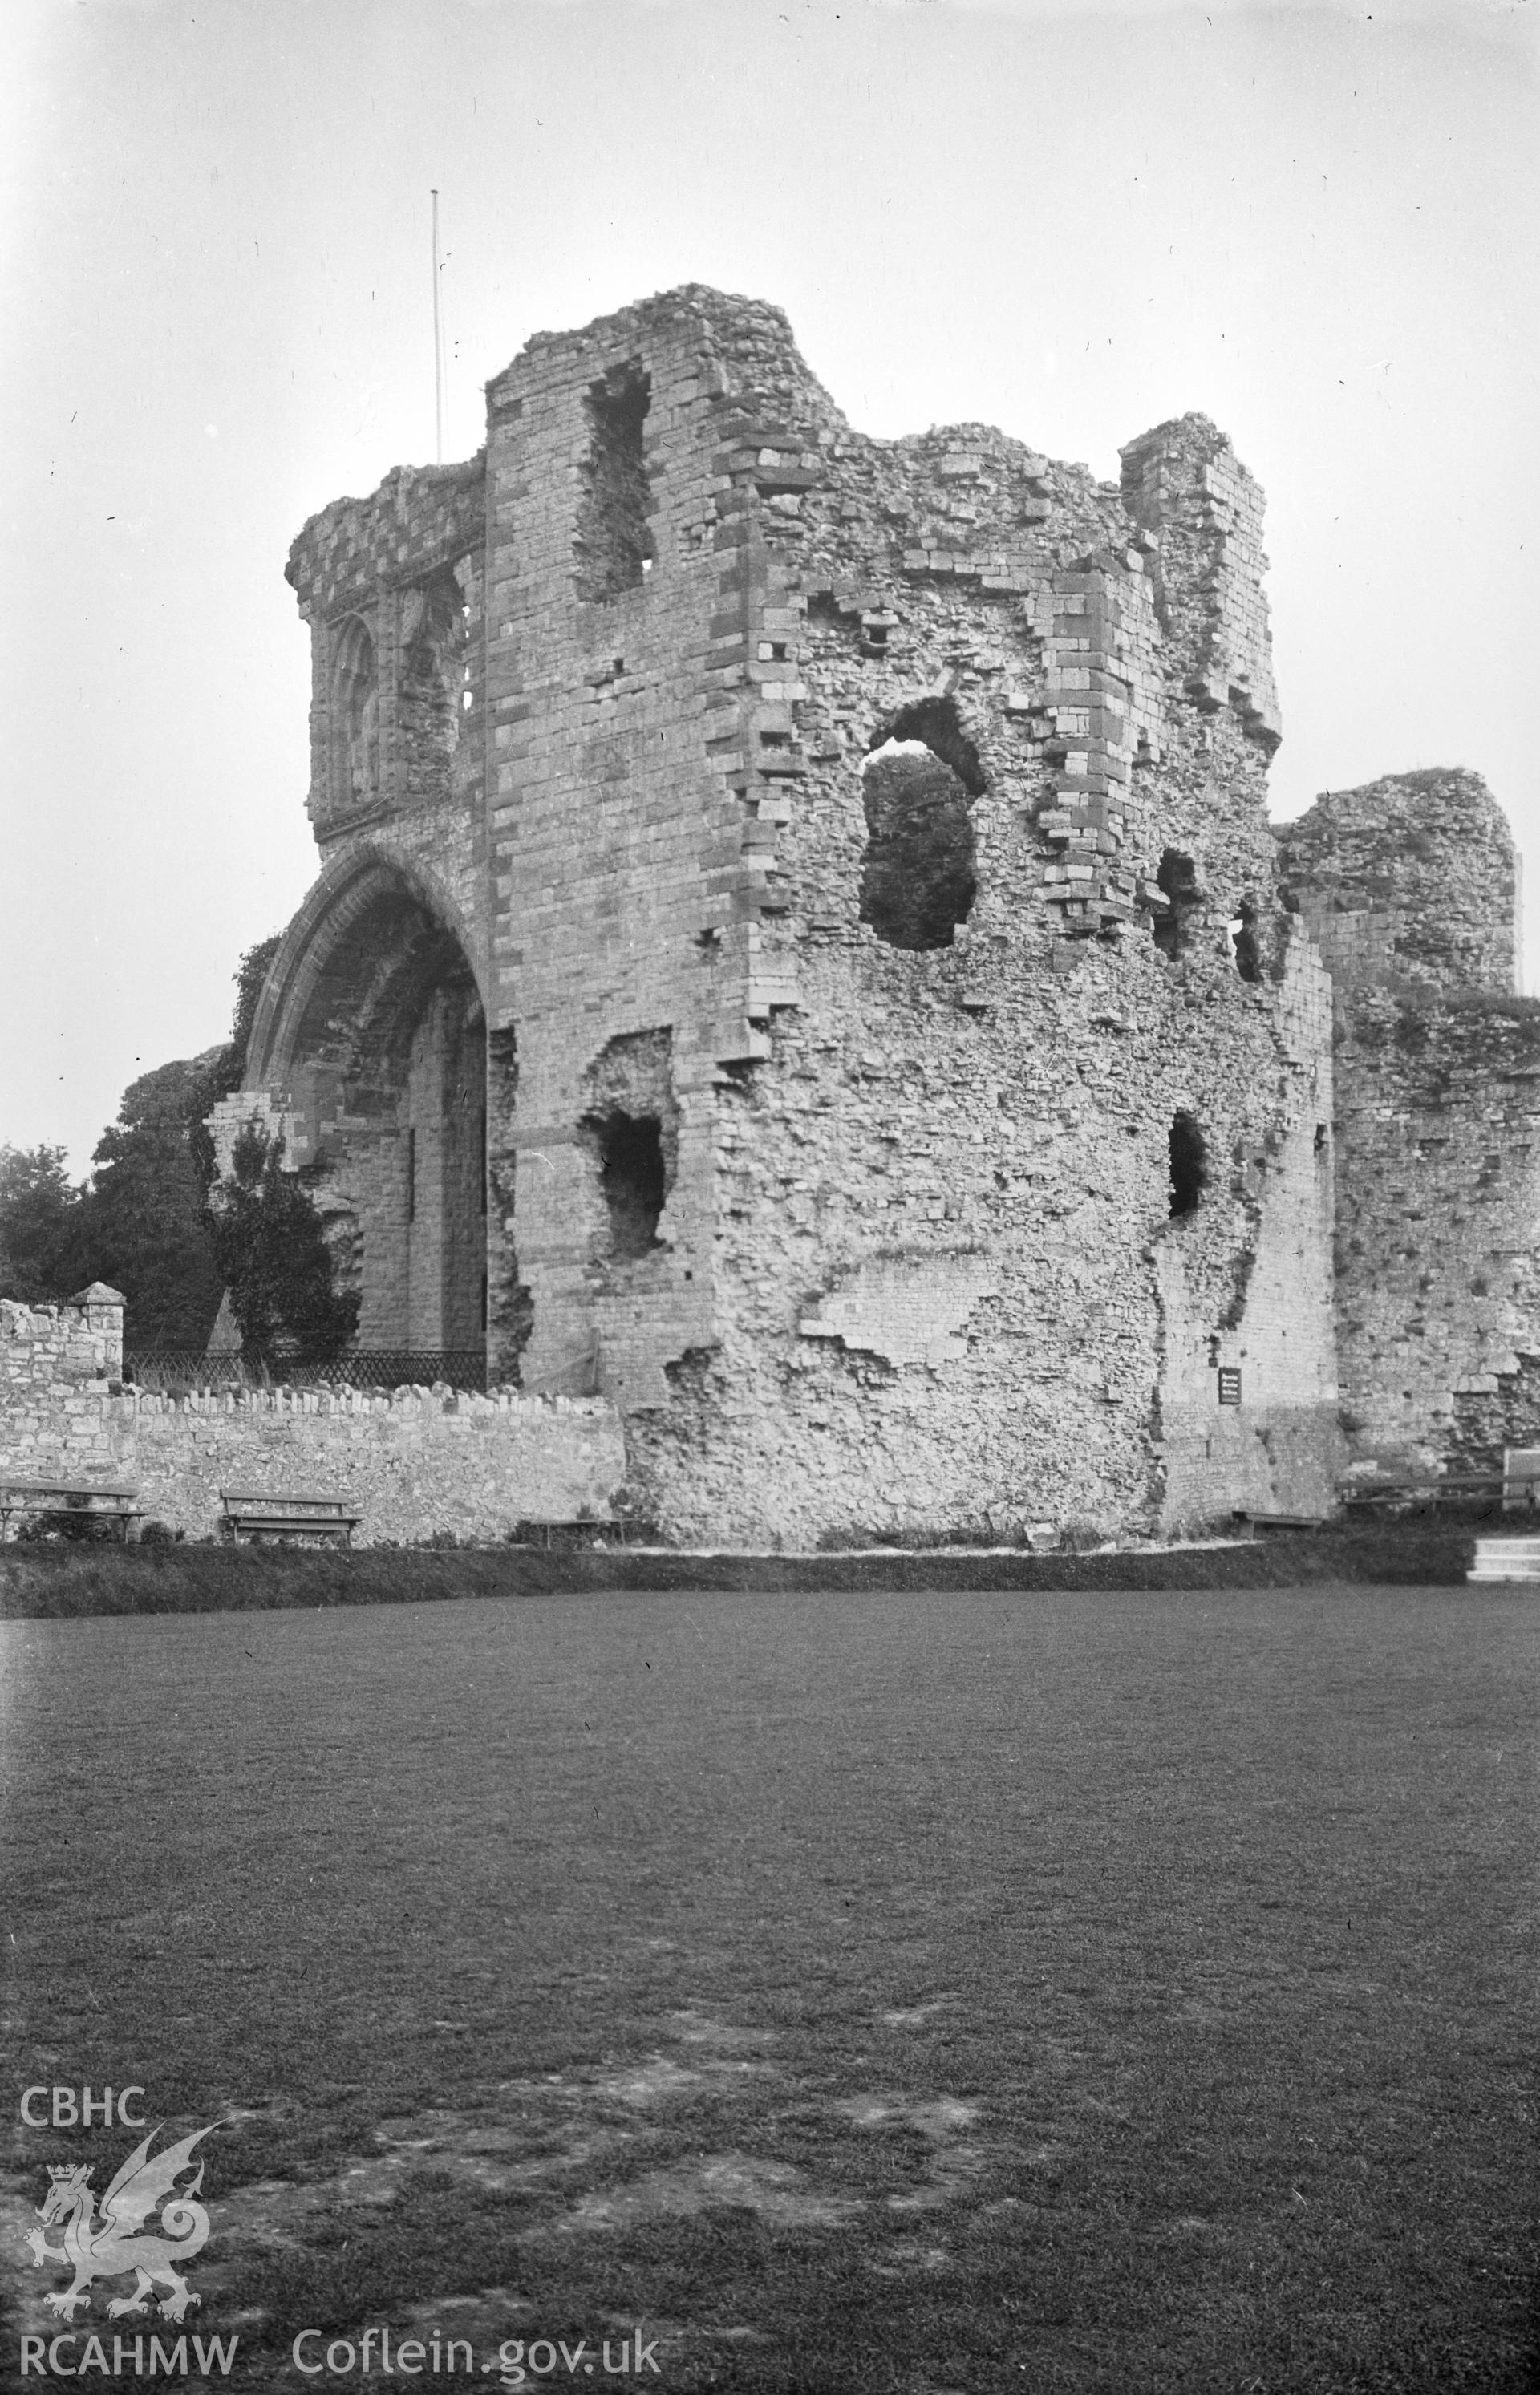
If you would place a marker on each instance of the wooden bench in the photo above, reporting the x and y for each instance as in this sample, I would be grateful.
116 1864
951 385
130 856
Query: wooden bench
1520 1479
1400 1496
269 1514
77 1499
584 1530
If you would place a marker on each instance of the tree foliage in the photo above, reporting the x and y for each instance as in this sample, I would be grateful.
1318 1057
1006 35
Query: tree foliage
140 1225
268 1241
37 1204
144 1219
137 1224
224 1068
272 1254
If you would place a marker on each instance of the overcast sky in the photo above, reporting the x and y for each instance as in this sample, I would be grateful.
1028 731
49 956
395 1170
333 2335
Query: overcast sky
1318 225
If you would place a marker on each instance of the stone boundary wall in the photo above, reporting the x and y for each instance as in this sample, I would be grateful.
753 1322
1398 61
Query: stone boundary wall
409 1463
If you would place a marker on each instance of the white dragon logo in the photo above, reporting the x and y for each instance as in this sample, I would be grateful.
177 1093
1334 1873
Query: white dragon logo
110 2248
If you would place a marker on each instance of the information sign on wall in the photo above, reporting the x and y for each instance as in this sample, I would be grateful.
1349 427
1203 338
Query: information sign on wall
1229 1385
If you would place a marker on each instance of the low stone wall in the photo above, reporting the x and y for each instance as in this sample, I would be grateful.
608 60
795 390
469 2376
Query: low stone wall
410 1464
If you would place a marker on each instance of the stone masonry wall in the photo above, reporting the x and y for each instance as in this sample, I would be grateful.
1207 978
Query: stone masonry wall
858 1228
1438 1202
341 1063
958 1295
628 823
58 1366
410 1464
1278 1448
406 565
943 1196
1410 886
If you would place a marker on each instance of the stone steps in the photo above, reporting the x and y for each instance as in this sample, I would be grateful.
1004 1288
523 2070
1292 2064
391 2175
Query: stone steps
1507 1559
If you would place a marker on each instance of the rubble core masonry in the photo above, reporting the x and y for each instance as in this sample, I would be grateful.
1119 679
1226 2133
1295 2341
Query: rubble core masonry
1411 887
799 952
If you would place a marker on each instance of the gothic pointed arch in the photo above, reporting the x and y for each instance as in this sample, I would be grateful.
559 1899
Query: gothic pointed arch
371 1040
354 715
370 875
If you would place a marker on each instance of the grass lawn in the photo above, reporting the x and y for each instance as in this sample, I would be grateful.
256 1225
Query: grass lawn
63 1579
1115 1992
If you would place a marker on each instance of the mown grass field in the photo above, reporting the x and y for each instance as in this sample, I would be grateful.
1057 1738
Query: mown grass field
851 1991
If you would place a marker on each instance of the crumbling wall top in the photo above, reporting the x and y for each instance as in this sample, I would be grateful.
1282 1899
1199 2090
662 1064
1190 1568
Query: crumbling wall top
1409 882
420 516
1199 513
743 347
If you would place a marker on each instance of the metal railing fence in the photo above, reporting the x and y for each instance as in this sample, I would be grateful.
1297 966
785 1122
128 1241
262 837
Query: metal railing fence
173 1369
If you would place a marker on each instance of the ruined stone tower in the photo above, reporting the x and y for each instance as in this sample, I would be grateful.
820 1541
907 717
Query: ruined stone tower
1410 887
798 950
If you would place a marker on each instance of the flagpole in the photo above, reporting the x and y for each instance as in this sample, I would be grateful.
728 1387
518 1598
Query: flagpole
438 351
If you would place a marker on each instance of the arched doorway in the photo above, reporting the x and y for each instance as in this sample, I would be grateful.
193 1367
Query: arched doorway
372 1039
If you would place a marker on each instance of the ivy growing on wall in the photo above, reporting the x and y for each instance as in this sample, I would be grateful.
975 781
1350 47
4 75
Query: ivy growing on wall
226 1068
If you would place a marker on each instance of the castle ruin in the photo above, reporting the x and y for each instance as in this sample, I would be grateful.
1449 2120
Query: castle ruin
800 953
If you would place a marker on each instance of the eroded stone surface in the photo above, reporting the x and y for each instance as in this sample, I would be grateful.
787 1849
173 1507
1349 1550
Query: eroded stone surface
798 954
800 822
1410 887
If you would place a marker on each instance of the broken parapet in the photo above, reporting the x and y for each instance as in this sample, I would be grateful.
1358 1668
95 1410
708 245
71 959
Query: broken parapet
1199 514
1411 883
